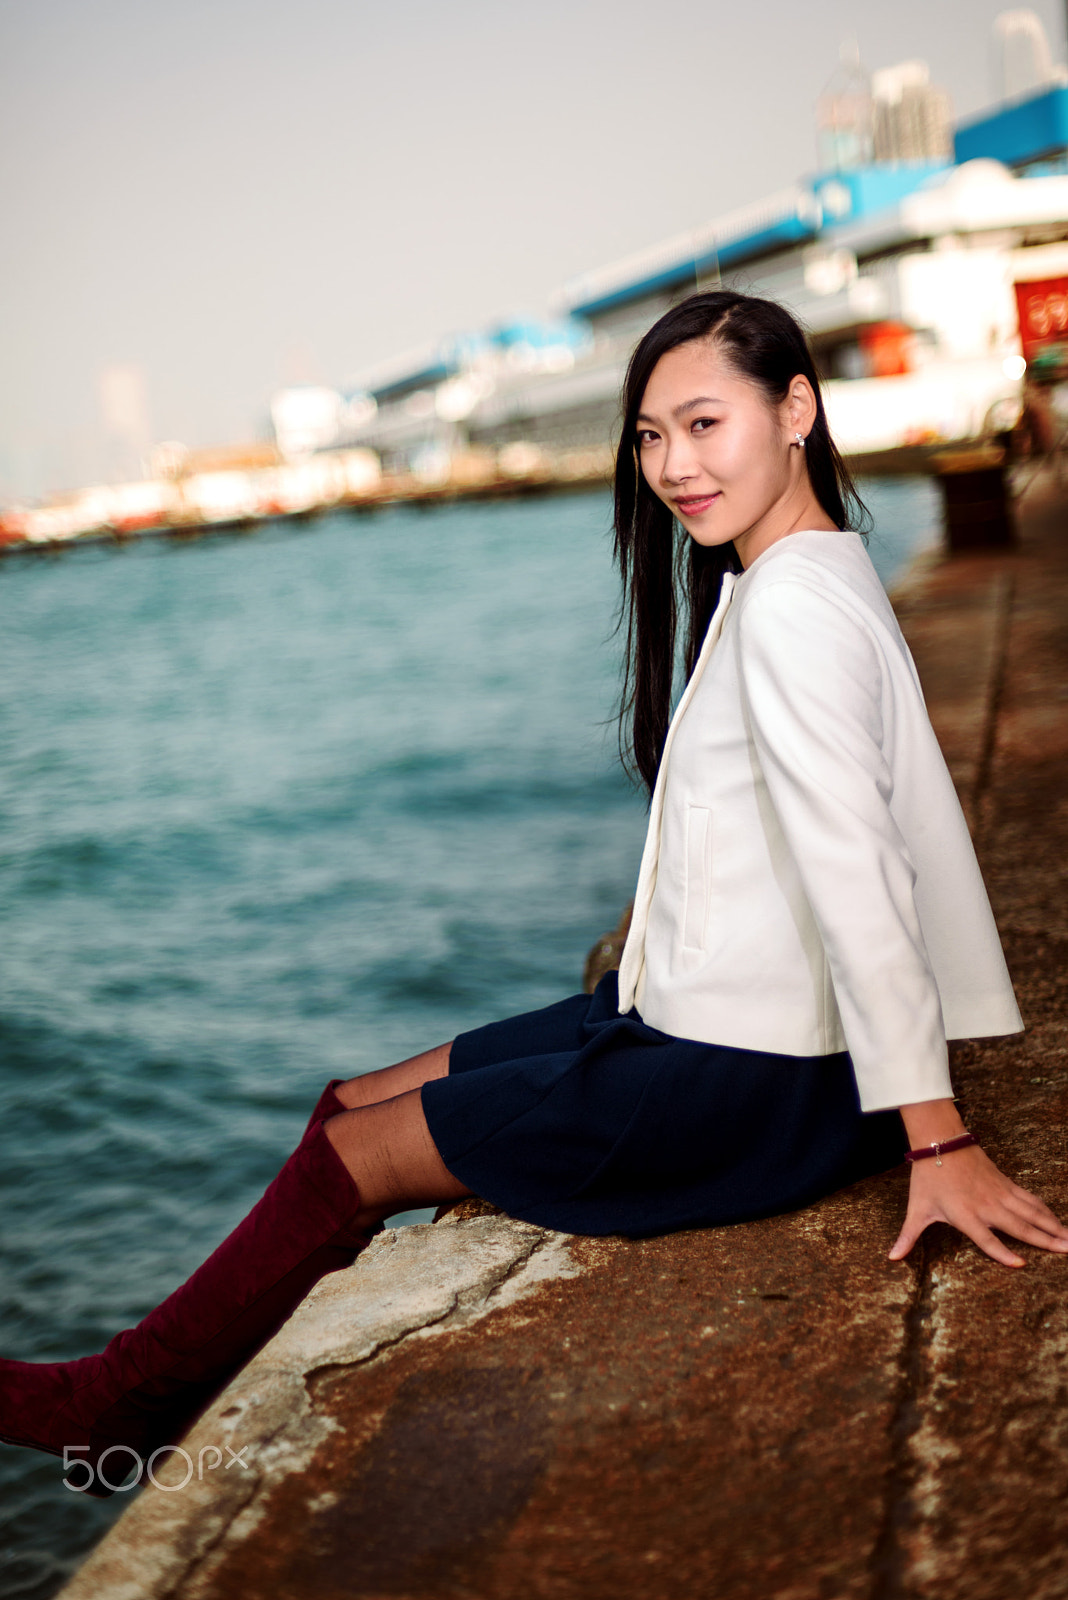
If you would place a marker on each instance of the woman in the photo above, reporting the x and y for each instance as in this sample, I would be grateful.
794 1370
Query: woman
809 926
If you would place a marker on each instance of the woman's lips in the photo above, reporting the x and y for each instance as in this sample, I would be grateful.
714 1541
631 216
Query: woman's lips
693 505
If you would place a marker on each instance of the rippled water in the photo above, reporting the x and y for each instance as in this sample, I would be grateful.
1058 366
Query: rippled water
276 809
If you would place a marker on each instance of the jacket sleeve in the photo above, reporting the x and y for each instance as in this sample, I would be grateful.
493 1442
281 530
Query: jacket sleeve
812 684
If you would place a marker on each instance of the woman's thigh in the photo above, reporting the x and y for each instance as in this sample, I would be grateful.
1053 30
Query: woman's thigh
374 1087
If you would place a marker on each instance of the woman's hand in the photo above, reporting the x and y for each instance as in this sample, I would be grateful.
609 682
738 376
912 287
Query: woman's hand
971 1194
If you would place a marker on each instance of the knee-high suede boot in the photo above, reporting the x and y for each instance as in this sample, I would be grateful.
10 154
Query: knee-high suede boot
143 1390
328 1105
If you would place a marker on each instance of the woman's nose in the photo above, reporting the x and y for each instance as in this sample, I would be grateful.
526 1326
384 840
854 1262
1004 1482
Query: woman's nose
678 462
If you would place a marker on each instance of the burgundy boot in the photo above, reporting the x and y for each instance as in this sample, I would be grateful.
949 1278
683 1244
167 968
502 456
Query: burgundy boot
148 1384
328 1105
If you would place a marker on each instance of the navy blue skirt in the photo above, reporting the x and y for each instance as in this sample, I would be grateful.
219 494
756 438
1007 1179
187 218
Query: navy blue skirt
576 1118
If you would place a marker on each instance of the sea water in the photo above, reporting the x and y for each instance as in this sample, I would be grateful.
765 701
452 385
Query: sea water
275 809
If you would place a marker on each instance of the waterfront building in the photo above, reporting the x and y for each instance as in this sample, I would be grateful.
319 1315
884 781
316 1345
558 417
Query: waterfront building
904 277
913 259
435 403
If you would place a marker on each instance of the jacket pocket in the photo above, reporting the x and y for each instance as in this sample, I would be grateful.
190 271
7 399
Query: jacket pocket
698 877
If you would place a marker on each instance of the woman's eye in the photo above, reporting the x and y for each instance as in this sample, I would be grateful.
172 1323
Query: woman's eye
646 436
701 424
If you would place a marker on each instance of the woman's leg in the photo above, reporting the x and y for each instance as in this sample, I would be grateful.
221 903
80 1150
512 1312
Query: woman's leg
343 1094
389 1082
388 1152
322 1209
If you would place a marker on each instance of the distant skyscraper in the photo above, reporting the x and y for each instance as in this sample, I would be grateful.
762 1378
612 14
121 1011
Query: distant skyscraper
844 115
913 119
1022 60
124 404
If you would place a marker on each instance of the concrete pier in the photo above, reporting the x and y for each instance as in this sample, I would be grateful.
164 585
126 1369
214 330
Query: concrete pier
480 1409
215 502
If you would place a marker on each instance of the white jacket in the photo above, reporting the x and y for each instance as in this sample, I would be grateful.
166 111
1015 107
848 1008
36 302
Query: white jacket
808 882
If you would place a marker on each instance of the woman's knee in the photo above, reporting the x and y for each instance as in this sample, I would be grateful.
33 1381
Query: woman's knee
391 1157
388 1082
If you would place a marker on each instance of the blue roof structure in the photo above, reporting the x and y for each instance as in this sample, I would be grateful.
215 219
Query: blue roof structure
787 230
800 215
826 204
1023 131
539 333
862 192
421 378
783 219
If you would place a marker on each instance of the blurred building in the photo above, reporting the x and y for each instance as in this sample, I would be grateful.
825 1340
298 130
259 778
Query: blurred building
845 133
912 118
509 383
914 256
1023 61
305 418
1028 130
124 411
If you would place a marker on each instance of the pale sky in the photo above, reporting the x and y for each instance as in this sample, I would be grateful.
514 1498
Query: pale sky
233 194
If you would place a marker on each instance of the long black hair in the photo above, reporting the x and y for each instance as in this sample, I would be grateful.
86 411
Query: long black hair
667 576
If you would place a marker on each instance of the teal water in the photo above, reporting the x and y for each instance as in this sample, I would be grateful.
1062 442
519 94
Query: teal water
277 809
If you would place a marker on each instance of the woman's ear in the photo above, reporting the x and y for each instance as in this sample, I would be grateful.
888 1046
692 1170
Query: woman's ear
799 408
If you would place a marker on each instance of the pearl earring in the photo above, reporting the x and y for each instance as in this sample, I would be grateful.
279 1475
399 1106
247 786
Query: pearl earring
800 440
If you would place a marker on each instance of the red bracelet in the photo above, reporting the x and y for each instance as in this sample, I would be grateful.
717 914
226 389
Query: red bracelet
939 1145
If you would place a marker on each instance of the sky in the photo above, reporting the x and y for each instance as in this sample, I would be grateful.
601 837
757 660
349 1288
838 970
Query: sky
224 196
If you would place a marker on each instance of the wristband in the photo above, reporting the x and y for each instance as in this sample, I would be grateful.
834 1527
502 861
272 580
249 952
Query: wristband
939 1145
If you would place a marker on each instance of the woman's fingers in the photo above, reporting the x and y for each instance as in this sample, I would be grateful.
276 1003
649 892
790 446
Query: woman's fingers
987 1240
1029 1233
971 1194
1049 1234
913 1226
1025 1217
977 1231
1030 1206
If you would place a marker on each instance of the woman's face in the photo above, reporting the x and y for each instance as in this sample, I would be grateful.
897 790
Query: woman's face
722 458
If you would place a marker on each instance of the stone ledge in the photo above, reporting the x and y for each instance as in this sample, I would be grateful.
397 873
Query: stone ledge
481 1409
412 1284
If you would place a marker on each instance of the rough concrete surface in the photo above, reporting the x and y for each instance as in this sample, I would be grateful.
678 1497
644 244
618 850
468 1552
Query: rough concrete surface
480 1409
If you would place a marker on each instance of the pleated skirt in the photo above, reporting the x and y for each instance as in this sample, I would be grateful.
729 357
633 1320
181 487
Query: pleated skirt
577 1118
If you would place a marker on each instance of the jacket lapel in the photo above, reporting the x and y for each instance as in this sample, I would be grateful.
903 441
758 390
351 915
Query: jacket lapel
630 966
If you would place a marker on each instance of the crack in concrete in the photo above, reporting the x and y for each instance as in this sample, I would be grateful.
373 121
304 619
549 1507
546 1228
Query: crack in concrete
1004 602
170 1550
204 1552
264 1479
511 1271
315 1376
890 1554
891 1558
